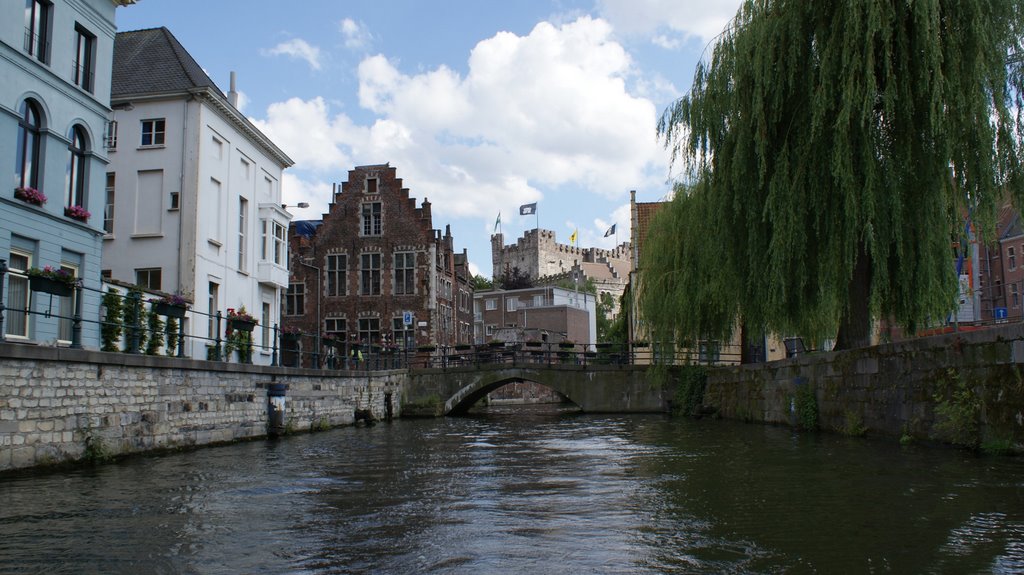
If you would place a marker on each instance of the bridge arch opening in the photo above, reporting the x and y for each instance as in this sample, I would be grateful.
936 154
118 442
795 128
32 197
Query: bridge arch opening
512 391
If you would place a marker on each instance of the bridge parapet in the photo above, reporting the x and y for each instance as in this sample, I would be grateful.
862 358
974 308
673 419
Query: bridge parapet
595 389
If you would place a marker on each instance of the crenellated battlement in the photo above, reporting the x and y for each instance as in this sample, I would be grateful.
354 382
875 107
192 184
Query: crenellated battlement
539 254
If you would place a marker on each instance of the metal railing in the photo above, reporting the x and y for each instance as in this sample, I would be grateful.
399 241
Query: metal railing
535 354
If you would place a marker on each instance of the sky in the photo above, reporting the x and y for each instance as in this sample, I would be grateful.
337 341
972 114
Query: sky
482 106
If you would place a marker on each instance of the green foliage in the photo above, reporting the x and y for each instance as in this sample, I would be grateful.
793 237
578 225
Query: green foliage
110 332
134 316
513 278
605 303
689 396
322 424
172 336
827 138
156 333
480 283
96 450
240 341
957 410
998 447
853 423
806 403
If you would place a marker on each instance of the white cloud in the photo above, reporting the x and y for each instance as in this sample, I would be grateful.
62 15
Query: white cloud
356 34
548 112
316 193
298 48
703 19
315 141
243 101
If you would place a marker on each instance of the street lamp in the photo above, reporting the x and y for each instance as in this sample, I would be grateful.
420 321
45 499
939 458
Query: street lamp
300 205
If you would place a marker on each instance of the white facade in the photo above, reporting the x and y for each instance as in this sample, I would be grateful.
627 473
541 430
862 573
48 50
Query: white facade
198 212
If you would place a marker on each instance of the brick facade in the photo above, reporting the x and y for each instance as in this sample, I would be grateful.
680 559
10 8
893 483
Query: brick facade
378 256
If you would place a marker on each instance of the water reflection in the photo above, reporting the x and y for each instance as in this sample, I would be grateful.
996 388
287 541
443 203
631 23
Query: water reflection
525 491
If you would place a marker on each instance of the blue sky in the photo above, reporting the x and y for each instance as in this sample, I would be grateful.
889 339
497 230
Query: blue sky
481 105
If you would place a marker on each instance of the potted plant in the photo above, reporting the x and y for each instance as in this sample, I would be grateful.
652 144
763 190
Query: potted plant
496 343
171 305
30 195
290 334
59 282
430 348
534 343
240 320
77 213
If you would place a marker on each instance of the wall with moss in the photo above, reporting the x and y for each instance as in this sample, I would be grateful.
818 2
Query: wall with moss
966 389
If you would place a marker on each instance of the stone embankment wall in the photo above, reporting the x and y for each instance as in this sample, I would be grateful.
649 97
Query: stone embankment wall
59 404
965 388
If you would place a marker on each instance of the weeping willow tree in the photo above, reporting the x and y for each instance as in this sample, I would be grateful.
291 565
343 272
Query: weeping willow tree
833 150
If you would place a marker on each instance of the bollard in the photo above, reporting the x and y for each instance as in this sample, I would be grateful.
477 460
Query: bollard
276 409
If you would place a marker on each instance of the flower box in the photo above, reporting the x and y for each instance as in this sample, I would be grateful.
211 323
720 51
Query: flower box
77 213
51 286
241 325
567 345
30 196
534 343
290 337
169 309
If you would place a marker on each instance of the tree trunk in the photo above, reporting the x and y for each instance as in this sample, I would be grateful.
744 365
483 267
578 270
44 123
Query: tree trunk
855 326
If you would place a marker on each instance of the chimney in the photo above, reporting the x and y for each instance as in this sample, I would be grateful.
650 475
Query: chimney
232 94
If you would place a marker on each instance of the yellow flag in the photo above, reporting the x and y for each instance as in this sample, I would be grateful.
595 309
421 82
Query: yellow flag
572 238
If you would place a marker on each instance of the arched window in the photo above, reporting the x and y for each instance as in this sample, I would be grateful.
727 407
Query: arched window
75 175
26 168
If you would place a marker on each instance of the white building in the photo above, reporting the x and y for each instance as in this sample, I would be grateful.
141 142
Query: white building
193 192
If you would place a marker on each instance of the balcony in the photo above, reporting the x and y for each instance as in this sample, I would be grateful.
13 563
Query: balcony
269 273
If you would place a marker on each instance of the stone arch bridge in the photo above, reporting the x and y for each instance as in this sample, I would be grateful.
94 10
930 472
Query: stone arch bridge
595 389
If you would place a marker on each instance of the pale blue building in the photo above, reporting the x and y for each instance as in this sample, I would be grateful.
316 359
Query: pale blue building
55 70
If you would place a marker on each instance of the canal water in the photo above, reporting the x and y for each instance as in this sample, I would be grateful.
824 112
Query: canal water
526 491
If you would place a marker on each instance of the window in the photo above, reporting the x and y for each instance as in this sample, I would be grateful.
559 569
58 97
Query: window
85 55
538 300
295 299
336 327
108 205
404 336
372 219
369 330
211 309
491 304
370 274
279 244
511 304
148 278
371 185
489 329
1012 257
405 273
266 325
1014 295
37 29
335 270
153 132
27 153
75 176
243 226
175 201
110 135
17 293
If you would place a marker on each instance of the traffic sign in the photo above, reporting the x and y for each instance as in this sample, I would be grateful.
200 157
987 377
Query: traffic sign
407 318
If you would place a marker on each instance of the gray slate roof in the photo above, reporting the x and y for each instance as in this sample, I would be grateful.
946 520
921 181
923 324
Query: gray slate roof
154 62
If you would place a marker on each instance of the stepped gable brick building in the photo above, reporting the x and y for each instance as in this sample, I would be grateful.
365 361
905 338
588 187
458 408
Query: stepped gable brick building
378 256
